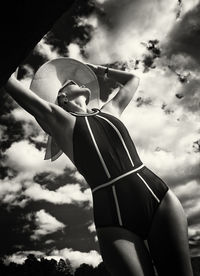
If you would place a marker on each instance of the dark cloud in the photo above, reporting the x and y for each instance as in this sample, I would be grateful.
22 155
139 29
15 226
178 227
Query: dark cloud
176 181
17 228
11 233
179 9
143 101
114 14
190 95
14 129
196 146
185 36
52 181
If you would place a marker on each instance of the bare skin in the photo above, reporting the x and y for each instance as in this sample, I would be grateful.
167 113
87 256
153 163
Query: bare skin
168 239
123 252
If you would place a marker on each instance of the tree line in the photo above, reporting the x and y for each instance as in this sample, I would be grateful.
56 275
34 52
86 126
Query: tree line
50 267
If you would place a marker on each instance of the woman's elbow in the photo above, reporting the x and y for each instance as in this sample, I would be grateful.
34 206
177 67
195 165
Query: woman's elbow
135 80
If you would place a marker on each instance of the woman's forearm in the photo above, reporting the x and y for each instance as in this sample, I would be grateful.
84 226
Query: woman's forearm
118 75
27 99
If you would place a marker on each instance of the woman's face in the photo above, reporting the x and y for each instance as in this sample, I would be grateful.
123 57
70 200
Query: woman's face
73 93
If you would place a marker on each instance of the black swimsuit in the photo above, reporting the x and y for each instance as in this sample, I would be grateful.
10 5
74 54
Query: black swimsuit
125 192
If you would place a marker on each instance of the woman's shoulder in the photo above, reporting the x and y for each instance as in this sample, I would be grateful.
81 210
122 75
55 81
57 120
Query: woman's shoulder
61 118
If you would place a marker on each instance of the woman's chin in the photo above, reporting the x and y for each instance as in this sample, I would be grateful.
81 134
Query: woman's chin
73 107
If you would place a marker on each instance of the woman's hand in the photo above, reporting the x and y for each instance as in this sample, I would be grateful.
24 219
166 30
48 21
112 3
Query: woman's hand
99 70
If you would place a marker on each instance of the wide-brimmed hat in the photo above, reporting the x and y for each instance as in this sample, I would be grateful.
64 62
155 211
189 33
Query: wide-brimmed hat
51 76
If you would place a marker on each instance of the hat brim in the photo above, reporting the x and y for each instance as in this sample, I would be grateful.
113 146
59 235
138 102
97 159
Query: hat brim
51 76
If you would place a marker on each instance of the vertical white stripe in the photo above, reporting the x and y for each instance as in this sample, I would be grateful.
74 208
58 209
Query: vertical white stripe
97 149
117 205
120 137
106 171
148 187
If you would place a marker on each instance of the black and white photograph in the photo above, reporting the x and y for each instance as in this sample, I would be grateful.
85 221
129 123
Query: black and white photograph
100 138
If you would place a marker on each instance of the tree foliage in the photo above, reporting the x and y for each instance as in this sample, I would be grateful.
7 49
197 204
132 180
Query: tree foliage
33 266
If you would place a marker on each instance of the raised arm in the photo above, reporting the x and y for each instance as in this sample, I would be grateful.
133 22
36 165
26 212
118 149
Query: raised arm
46 114
127 82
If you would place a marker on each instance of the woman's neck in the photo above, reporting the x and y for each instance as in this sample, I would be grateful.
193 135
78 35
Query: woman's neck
76 108
78 105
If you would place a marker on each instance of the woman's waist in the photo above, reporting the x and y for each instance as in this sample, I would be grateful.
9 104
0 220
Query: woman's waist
111 180
96 173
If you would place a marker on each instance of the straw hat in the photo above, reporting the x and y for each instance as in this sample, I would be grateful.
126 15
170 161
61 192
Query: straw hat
51 76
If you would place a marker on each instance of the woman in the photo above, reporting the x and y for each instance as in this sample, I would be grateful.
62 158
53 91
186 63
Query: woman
131 204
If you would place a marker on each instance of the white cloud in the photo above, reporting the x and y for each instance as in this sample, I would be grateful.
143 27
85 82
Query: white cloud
189 190
162 139
49 242
189 194
92 227
31 160
75 51
46 50
126 27
45 224
30 127
10 193
189 5
76 257
9 187
20 256
78 178
194 232
28 161
101 1
68 194
22 115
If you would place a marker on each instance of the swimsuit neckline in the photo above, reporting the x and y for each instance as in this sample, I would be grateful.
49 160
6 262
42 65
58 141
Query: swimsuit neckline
95 111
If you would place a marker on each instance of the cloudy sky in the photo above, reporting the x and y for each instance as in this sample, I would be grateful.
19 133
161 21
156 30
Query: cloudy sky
46 207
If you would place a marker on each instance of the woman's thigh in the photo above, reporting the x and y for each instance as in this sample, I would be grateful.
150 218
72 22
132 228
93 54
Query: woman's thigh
124 253
168 238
